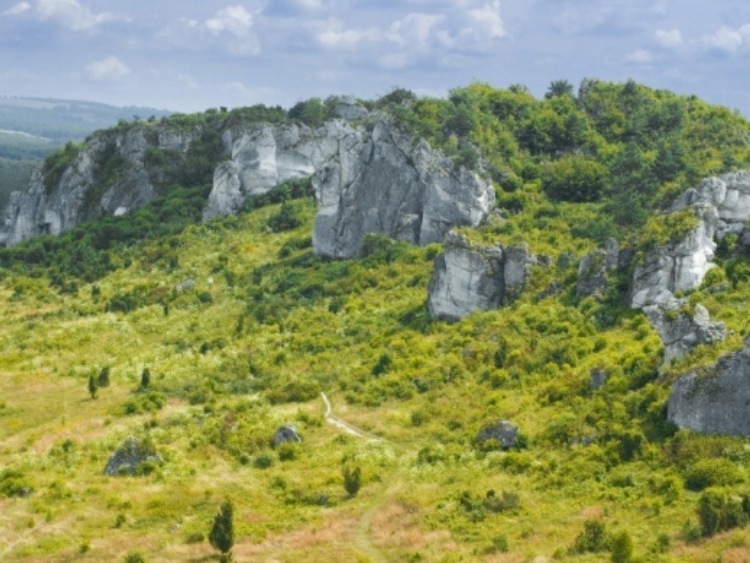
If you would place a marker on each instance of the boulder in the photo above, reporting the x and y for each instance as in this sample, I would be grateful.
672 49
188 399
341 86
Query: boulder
475 277
714 400
681 330
130 457
285 434
503 432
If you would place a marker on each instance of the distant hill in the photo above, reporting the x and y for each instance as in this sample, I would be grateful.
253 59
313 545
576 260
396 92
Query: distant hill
31 128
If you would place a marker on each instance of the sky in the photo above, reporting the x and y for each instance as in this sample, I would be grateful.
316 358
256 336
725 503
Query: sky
189 55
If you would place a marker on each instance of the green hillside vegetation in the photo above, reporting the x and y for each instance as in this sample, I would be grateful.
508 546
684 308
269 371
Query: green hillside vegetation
240 328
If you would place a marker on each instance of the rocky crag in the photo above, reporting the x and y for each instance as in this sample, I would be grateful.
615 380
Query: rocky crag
721 205
470 277
368 177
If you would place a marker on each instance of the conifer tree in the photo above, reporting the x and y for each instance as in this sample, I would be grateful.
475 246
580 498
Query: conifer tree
222 531
93 387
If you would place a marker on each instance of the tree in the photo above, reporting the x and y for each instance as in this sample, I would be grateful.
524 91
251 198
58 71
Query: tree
145 378
93 387
559 88
352 480
222 531
103 379
574 178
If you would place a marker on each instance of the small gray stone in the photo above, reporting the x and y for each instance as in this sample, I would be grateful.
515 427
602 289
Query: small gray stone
129 456
285 434
598 378
505 433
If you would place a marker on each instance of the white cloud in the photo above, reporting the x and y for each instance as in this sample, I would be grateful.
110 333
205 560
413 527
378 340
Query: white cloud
641 56
19 8
728 39
668 38
414 30
232 19
488 19
108 69
239 22
70 14
336 37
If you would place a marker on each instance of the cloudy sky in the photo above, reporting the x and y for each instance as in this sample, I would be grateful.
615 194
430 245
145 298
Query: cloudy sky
188 55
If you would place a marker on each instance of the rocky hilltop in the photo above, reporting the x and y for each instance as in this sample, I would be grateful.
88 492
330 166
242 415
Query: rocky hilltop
368 176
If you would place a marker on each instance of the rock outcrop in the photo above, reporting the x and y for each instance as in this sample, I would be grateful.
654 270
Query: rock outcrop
383 182
676 266
264 156
722 206
715 400
471 277
681 330
109 176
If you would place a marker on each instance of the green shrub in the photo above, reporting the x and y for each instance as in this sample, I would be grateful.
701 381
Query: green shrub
712 472
621 547
352 480
290 216
718 511
13 483
134 557
592 538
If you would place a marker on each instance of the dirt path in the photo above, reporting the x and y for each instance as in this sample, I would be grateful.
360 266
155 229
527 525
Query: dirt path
362 534
345 426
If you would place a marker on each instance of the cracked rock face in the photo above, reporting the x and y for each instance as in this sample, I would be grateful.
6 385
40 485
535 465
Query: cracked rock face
382 182
470 277
716 400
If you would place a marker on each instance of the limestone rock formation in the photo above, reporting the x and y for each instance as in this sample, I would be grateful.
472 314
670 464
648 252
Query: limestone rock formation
722 205
505 433
681 330
264 156
383 182
130 457
473 277
368 178
109 176
714 401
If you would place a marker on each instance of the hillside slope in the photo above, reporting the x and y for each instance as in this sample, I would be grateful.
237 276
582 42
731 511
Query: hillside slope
240 327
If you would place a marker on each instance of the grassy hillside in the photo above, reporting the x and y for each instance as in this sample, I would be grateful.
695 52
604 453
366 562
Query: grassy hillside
265 327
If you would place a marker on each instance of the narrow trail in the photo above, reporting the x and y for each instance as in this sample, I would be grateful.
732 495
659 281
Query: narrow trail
345 426
362 533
